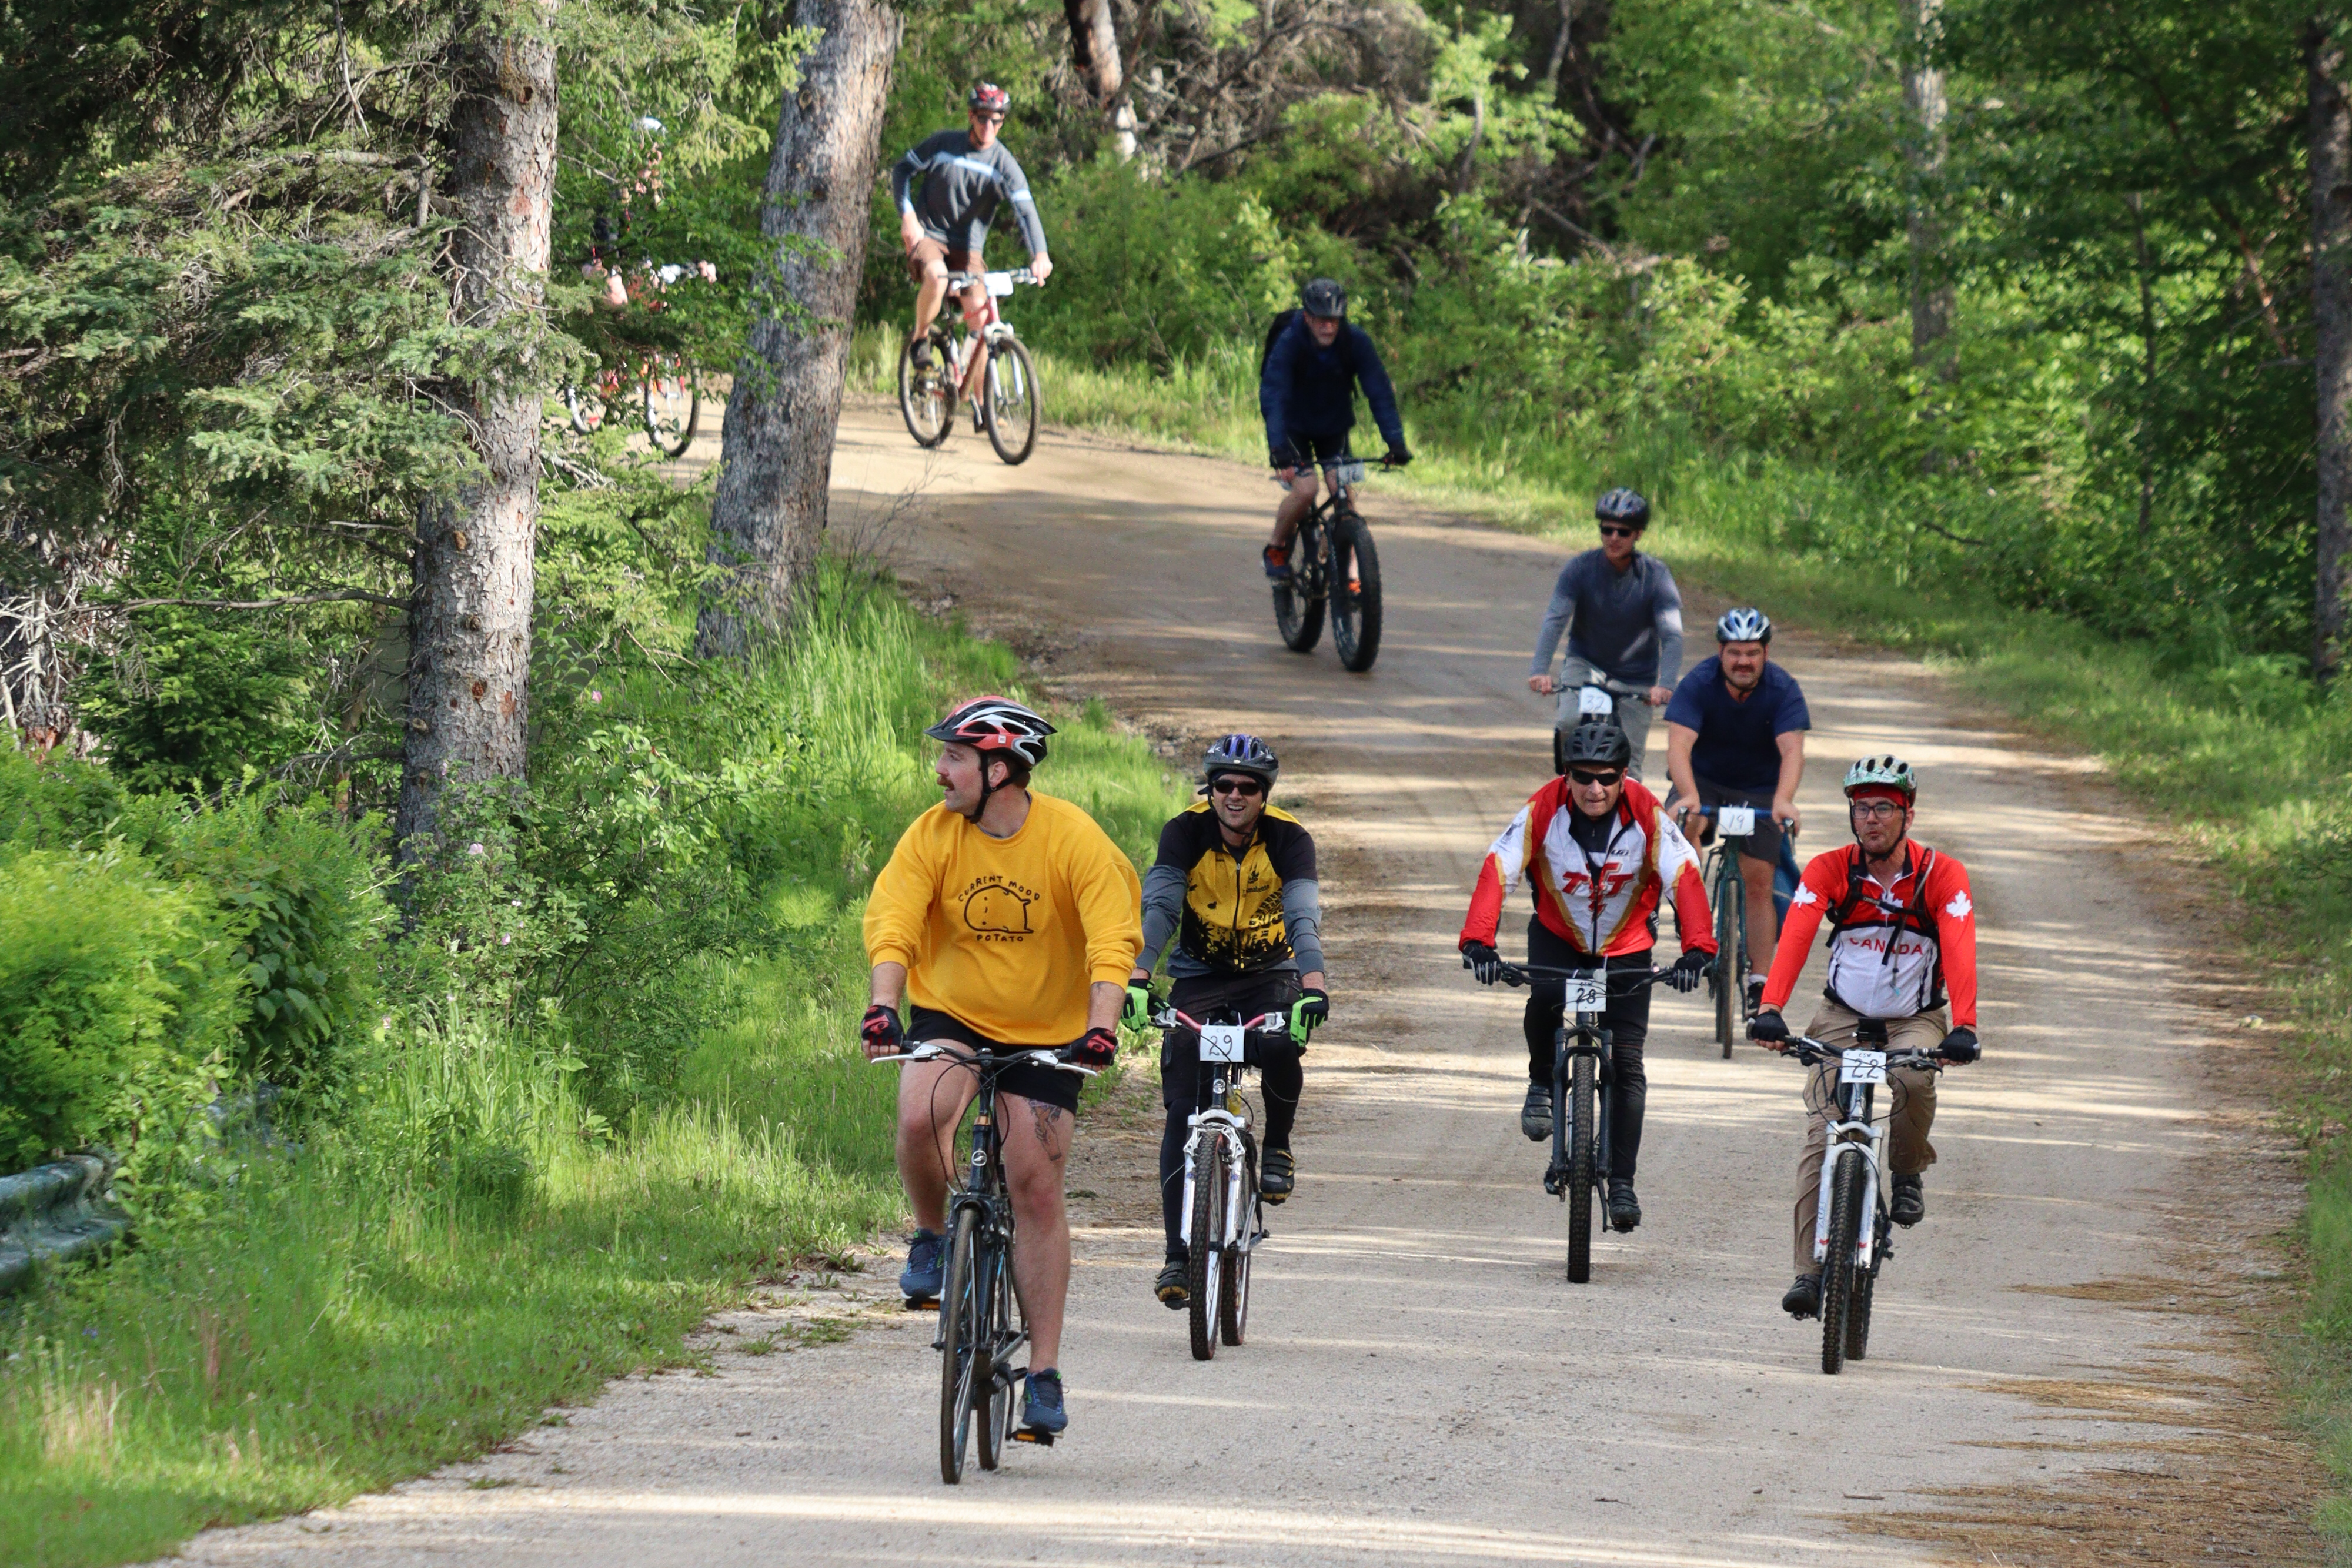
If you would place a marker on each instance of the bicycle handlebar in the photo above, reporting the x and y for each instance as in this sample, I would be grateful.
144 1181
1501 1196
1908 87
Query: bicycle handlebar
1264 1023
1808 1050
932 1051
960 280
1520 973
1710 811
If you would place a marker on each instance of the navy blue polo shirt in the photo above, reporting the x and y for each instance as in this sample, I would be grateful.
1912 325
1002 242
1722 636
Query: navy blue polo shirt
1739 742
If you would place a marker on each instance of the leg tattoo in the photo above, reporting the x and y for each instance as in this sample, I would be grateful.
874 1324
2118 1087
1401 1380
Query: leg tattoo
1049 1119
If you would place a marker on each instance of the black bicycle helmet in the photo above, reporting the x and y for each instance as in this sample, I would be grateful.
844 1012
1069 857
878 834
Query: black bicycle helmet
987 95
1598 738
994 723
1324 298
1623 506
1240 754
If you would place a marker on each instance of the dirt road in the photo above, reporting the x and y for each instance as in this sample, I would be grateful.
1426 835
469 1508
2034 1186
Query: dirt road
1421 1385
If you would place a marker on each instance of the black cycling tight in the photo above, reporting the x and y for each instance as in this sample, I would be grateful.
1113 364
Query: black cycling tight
1627 1020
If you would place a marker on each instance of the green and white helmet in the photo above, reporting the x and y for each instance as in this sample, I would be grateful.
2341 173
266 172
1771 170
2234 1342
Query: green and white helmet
1888 773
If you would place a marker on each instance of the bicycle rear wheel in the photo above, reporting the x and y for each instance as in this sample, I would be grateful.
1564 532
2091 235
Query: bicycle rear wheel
996 1324
1011 389
1731 970
1355 593
963 1346
1583 1097
1207 1262
673 404
1837 1269
587 409
926 395
1299 603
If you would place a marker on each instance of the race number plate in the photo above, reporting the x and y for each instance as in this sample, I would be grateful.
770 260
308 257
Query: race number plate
1735 820
1349 473
1220 1042
1862 1067
1000 284
1587 993
1595 699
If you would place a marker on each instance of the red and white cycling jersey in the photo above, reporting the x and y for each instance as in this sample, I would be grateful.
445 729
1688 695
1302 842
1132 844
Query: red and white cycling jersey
1604 903
1895 950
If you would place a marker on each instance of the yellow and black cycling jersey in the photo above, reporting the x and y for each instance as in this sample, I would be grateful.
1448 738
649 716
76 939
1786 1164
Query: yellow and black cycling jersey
1232 911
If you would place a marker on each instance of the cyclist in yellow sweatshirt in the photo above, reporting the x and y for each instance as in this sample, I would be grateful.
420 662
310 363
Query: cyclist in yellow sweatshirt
1008 920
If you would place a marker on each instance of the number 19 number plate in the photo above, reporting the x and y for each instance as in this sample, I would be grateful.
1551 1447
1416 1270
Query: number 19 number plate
1587 993
1862 1067
1735 820
1220 1042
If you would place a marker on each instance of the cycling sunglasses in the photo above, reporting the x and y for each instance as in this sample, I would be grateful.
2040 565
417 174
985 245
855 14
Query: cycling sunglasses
1607 775
992 119
1238 784
1618 531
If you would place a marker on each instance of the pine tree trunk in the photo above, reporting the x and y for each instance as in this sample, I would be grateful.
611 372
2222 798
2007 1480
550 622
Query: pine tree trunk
469 612
1923 95
776 460
1093 47
2331 301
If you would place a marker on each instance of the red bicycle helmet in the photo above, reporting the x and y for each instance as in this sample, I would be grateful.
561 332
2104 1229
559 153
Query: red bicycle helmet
994 723
988 96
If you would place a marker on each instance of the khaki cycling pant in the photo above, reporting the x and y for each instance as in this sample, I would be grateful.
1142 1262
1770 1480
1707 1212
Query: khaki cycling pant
1632 713
1907 1148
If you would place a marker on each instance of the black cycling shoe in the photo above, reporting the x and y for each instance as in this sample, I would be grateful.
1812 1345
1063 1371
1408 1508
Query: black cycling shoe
1803 1299
1534 1116
1910 1205
1174 1290
1277 1176
920 352
1624 1209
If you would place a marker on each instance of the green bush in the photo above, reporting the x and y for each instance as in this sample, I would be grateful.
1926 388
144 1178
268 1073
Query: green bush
115 1001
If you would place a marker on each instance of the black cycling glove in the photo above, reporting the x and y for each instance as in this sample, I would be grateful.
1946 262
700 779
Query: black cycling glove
881 1028
1689 971
1097 1050
1960 1046
1396 456
1768 1028
1482 961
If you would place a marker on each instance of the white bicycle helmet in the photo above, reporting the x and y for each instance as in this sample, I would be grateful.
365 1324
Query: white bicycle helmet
1744 624
1888 773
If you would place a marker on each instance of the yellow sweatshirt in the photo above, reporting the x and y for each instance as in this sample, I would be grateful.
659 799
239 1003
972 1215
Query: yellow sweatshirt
1007 933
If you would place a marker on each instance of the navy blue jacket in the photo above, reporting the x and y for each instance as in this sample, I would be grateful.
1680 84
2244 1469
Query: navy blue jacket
1307 390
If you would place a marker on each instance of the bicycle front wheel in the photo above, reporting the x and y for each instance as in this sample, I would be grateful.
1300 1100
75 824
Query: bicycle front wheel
1011 389
1582 1098
1233 1311
1730 975
996 1323
964 1367
1299 603
926 396
1207 1262
587 409
1355 593
1837 1269
673 404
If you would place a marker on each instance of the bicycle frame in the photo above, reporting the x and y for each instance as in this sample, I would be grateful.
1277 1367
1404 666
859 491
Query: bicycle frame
1854 1127
987 325
1226 1118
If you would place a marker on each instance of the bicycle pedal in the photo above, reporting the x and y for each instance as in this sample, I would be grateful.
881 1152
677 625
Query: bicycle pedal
1031 1435
932 1305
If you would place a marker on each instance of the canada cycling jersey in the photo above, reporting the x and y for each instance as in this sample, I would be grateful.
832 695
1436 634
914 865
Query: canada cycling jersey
1893 950
1602 903
1232 913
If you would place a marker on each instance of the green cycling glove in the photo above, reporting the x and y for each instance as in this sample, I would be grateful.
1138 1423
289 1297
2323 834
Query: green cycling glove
1312 1010
1138 1009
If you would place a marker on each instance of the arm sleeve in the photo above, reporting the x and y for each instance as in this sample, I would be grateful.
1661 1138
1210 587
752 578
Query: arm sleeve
1506 863
1164 906
1273 391
898 910
902 178
1667 605
1823 884
1558 616
1108 894
1685 708
1024 206
1678 870
1373 377
1956 939
1302 921
1793 714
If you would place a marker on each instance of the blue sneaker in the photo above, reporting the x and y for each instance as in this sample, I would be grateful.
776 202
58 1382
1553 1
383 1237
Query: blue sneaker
1043 1407
925 1275
1277 564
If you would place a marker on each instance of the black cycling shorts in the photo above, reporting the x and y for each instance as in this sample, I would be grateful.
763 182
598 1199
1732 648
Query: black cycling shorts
1320 449
1764 843
1245 996
1044 1085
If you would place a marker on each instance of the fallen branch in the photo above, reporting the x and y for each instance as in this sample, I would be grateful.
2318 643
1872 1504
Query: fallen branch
346 596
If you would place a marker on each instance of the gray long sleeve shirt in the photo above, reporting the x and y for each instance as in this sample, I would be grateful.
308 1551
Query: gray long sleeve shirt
1163 911
960 186
1626 624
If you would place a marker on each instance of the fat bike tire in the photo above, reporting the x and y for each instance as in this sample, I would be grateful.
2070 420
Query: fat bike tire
1205 1268
1010 387
926 401
964 1369
1582 1098
1838 1273
1355 597
1299 603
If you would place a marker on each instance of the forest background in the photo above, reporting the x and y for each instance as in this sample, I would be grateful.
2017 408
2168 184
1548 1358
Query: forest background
2010 336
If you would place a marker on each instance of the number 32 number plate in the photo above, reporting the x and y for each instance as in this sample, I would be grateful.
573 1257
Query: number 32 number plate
1862 1067
1220 1042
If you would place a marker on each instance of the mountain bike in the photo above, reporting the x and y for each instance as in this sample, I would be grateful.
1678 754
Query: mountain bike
980 1327
1596 698
1333 565
1223 1220
664 386
1727 982
1582 1075
1008 402
1854 1236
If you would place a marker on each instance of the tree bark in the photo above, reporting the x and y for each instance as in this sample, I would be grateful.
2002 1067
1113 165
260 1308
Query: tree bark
2331 300
776 459
469 612
1093 47
1923 95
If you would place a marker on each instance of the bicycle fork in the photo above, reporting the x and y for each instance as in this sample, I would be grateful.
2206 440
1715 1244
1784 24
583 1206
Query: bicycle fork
1563 1130
1860 1134
1222 1125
